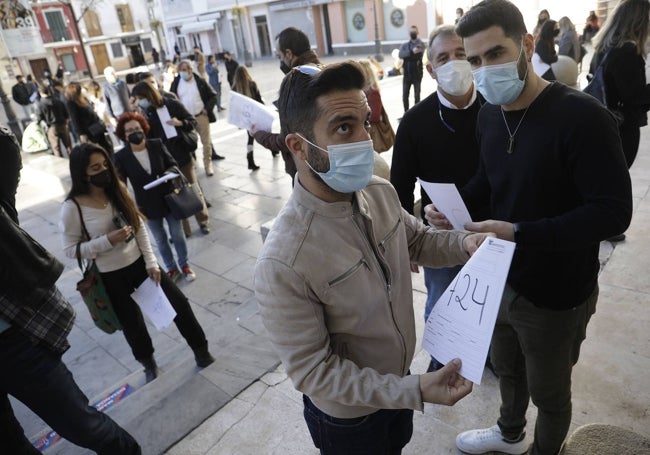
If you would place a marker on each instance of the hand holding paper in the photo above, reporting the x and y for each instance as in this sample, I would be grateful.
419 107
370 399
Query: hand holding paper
462 320
161 180
502 229
154 304
245 112
445 386
447 200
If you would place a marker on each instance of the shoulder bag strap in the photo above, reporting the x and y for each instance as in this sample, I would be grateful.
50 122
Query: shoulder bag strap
84 232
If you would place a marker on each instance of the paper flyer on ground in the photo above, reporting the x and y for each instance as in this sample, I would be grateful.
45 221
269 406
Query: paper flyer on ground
154 304
446 198
462 321
244 112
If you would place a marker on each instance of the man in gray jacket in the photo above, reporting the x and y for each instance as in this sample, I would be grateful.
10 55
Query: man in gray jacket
333 280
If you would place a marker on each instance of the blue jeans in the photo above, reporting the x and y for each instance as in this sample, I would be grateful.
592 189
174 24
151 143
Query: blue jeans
178 237
36 376
384 432
436 282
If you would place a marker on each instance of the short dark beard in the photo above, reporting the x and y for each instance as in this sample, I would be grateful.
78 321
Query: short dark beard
318 163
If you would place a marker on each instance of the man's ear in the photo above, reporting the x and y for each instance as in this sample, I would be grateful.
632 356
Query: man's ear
529 46
296 145
431 72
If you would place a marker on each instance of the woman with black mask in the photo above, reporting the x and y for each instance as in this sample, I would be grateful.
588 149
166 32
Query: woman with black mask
181 146
102 222
142 161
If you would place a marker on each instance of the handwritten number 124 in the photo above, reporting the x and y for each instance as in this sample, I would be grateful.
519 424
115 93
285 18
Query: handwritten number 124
459 294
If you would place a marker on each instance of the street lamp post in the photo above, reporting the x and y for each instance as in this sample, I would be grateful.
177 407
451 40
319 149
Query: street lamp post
379 56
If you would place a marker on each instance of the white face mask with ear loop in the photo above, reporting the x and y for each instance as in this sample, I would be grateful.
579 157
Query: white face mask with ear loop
351 165
455 77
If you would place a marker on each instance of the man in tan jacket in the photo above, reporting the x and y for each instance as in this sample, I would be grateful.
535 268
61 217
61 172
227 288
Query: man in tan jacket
333 280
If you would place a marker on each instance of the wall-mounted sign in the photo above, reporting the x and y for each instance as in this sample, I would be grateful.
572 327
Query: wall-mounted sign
358 21
20 29
397 18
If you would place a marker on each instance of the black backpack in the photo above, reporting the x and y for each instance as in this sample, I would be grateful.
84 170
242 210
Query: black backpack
598 90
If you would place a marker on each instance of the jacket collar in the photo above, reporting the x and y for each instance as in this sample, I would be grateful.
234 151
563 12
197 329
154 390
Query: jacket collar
330 209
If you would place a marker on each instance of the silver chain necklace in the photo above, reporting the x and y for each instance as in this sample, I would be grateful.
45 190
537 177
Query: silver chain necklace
511 139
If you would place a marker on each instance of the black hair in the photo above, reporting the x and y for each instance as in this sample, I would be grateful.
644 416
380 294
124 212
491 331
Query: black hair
144 89
293 39
489 13
299 92
116 193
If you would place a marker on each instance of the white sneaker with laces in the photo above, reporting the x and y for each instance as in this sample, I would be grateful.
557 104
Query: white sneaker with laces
489 440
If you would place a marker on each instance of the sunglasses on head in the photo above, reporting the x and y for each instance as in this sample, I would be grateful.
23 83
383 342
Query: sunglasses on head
310 70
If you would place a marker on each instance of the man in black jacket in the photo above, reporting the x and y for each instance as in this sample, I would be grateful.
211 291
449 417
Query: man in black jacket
54 113
199 99
411 52
35 321
21 94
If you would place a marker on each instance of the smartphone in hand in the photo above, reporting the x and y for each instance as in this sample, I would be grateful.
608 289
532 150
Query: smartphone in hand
120 221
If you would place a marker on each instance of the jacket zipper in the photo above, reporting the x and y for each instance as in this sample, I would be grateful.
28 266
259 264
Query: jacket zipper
385 271
348 273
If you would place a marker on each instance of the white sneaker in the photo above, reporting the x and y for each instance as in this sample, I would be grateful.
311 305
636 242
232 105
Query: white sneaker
489 440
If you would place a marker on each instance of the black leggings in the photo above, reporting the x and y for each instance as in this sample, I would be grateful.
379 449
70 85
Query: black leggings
121 283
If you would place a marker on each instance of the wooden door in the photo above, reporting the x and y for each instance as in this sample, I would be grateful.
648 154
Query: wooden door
101 57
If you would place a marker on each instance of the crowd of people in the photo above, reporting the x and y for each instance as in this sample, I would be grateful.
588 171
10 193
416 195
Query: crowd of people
536 162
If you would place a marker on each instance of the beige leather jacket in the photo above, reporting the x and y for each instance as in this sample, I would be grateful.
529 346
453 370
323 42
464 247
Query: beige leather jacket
334 287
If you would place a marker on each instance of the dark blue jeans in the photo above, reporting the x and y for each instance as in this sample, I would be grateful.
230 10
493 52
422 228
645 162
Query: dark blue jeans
36 376
384 432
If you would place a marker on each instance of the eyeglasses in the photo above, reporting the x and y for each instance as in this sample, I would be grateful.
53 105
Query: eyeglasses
309 70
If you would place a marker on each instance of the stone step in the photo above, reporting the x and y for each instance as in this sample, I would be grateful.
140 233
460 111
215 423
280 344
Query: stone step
162 412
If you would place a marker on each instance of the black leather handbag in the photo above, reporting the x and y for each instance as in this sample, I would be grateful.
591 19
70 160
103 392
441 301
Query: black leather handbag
185 198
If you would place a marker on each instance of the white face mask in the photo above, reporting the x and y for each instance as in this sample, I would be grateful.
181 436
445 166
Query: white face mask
455 77
351 165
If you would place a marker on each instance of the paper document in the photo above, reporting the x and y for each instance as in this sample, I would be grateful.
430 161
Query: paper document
462 320
161 180
163 115
244 112
154 304
446 198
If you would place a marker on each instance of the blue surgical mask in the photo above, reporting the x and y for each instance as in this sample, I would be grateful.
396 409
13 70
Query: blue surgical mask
500 84
185 75
351 165
144 103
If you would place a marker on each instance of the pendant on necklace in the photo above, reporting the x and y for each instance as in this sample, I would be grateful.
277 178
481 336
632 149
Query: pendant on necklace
511 144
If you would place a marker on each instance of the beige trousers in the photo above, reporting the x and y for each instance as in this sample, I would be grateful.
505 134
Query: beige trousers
202 217
203 128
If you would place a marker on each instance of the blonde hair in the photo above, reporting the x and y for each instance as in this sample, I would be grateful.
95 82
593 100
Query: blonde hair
241 82
369 73
628 22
